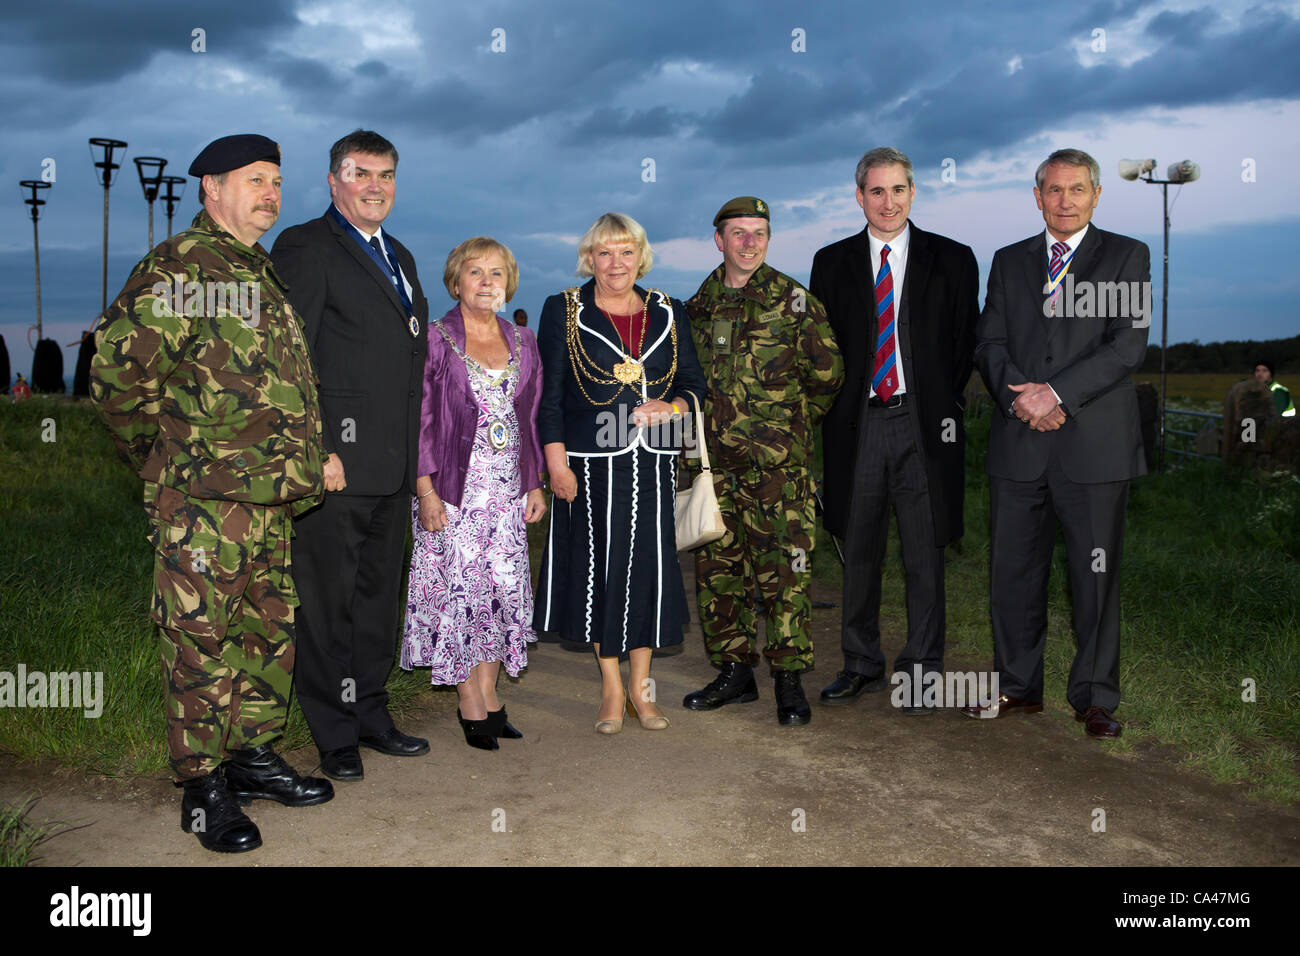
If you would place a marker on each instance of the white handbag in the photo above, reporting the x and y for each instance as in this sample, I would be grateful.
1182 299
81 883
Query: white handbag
696 512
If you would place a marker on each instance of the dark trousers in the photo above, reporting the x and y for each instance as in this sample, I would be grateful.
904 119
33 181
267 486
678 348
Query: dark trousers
347 563
1024 515
890 472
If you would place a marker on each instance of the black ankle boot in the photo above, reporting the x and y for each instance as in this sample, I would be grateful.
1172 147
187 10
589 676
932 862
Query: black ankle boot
507 731
209 811
262 773
734 684
479 733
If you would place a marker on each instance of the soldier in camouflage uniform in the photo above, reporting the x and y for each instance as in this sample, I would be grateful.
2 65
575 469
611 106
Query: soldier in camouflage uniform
774 370
203 377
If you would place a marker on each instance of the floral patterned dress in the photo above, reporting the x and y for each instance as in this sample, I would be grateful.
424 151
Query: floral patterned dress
470 598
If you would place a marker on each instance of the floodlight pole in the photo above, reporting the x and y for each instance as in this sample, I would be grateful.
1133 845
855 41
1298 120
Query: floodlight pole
1164 319
35 185
106 166
171 197
150 170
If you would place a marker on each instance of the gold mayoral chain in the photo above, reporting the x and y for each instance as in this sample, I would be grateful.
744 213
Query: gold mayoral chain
624 374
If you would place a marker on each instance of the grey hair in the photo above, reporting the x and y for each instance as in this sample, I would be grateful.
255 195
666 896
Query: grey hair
881 156
1069 157
219 177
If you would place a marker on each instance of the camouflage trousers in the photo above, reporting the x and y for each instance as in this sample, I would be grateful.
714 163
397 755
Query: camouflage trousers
223 600
769 516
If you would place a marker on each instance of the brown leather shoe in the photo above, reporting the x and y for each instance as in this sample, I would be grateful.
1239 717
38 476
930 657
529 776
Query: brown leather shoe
1098 722
1003 706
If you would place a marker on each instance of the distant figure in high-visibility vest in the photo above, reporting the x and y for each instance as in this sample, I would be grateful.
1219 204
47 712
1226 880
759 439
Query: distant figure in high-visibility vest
21 390
1281 395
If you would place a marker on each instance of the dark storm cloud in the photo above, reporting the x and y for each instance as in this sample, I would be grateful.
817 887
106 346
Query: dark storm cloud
608 122
1180 26
70 43
314 83
1106 13
1258 59
1189 67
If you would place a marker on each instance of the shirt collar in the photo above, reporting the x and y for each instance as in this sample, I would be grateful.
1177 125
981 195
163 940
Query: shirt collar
897 245
203 220
753 289
367 236
1071 241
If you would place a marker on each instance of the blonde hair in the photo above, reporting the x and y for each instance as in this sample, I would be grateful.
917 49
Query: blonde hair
477 248
612 228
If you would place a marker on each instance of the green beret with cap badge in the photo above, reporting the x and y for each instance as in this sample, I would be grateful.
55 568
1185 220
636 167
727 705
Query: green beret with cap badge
742 207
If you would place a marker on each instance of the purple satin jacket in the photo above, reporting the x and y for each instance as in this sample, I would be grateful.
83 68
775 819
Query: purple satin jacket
449 414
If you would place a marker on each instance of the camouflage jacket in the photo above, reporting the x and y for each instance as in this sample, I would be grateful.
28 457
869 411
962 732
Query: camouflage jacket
773 367
202 374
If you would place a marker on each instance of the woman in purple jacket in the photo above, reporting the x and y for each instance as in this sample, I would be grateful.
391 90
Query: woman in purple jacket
470 603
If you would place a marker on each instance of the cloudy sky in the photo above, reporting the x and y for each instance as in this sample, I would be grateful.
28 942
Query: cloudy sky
525 121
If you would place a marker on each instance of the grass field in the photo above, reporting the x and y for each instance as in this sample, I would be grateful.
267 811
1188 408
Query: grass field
1196 392
1210 594
75 577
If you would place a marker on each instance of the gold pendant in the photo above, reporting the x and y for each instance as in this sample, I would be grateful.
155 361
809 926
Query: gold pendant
629 372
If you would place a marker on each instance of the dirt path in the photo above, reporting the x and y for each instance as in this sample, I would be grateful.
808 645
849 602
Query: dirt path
869 785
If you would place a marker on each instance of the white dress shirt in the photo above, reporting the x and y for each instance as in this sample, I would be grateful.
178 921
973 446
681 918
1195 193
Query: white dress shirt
897 269
1073 242
379 231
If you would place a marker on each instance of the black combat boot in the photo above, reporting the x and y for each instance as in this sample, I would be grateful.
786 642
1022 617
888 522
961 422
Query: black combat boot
734 684
262 773
209 811
791 705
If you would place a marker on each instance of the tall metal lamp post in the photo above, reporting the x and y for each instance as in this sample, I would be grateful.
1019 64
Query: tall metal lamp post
1178 173
106 168
36 185
171 197
150 169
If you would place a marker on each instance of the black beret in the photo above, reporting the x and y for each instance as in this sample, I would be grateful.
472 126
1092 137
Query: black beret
741 207
234 152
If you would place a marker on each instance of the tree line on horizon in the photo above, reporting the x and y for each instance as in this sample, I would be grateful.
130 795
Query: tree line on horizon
1234 356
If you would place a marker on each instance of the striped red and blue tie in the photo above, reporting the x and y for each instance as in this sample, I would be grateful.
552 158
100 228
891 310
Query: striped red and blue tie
884 381
1054 268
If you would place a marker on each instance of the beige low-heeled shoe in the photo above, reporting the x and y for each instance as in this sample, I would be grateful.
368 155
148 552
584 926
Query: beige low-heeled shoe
659 722
615 724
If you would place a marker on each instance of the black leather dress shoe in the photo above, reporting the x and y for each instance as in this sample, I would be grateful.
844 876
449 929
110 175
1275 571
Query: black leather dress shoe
209 811
1099 723
733 685
508 732
342 764
261 773
848 687
396 744
791 705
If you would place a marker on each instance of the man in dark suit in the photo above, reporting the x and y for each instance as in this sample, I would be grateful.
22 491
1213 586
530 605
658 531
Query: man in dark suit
1056 345
903 304
366 320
